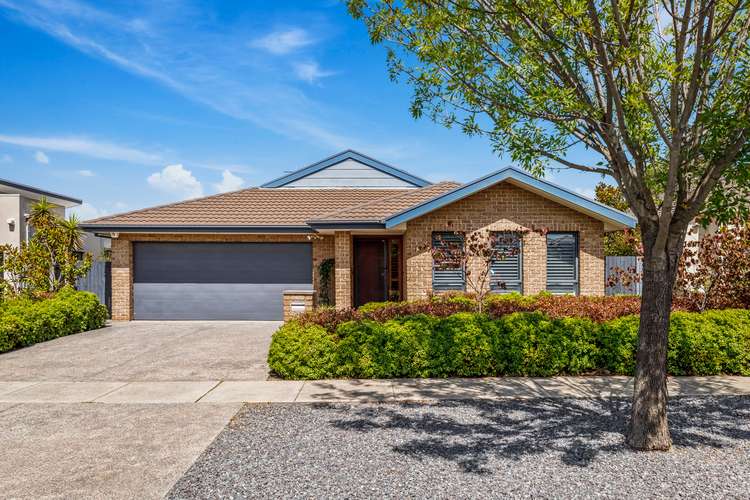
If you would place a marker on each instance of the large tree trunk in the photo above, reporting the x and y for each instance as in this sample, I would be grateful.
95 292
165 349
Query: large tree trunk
649 429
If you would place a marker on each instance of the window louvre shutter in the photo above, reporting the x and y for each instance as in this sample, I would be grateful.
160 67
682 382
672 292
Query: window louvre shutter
507 271
562 263
447 279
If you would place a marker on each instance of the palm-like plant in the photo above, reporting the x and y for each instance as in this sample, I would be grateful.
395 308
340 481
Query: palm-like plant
42 213
72 232
51 257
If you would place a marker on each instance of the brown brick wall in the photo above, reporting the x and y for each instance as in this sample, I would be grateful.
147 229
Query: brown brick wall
506 207
292 297
343 273
503 207
122 259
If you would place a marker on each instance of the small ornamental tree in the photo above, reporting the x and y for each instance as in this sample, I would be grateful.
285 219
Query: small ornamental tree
14 269
475 254
714 271
655 95
627 241
51 259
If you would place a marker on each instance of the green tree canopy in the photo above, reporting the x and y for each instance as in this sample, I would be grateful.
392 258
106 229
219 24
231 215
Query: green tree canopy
625 242
657 92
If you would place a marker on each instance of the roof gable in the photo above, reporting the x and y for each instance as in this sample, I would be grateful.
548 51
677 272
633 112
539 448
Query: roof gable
613 219
348 169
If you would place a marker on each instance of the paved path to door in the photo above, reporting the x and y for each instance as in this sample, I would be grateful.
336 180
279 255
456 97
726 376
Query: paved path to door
148 351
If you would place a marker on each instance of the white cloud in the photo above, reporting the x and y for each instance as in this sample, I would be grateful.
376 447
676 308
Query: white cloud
104 150
6 158
42 158
283 41
87 211
310 71
85 147
176 180
86 173
229 182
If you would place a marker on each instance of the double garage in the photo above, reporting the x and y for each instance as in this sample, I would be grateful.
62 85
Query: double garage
217 281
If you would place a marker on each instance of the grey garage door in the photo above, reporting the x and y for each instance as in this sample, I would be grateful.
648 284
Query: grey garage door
234 281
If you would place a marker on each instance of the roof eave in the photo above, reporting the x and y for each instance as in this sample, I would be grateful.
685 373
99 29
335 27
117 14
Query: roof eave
342 225
614 218
202 228
56 198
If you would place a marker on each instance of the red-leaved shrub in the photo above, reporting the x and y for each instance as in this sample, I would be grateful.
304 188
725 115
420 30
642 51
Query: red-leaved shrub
597 309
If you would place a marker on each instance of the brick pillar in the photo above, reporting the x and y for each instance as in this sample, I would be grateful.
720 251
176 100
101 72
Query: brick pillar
122 280
343 269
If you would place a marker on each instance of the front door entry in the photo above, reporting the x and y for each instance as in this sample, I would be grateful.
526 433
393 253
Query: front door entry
377 269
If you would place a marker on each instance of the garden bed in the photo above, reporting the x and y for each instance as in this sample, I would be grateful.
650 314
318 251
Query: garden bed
517 336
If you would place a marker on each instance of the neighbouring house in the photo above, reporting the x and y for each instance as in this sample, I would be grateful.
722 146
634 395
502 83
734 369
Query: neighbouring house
16 201
256 253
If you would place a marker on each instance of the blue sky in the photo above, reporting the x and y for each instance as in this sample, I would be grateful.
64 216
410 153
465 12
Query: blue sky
129 104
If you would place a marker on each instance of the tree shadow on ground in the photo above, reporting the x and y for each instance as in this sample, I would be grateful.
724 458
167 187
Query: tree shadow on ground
471 433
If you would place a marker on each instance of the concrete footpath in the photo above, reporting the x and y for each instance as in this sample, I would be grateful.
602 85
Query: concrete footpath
322 391
135 439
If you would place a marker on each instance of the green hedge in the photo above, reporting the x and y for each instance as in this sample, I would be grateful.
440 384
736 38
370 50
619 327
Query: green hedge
24 322
524 344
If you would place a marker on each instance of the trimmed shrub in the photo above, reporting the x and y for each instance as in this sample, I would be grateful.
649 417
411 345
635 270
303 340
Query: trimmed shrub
522 343
533 344
302 352
24 321
461 347
617 345
708 343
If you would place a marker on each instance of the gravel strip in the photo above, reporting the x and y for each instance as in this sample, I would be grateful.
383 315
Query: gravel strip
541 448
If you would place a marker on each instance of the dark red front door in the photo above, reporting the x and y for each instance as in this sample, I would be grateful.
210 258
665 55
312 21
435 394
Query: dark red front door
370 270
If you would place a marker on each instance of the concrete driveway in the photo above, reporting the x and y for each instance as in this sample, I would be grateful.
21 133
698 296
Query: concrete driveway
68 448
84 450
148 350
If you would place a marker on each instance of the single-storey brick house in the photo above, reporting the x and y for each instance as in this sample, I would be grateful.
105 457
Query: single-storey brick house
256 253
